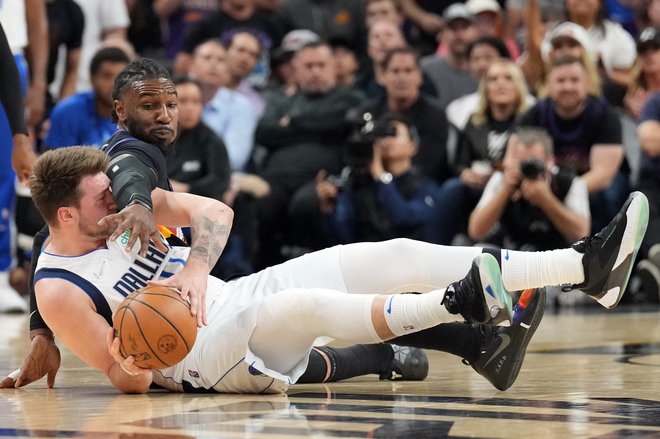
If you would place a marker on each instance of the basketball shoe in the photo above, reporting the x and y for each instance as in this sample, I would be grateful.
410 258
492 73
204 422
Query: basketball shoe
609 255
480 296
503 348
408 364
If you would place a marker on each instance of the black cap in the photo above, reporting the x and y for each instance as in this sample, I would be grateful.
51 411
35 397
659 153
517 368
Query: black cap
649 37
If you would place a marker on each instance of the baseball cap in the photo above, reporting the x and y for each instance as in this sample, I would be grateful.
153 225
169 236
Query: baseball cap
572 31
293 41
477 6
457 11
649 37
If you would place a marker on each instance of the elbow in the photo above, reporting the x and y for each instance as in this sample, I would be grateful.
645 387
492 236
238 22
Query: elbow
475 231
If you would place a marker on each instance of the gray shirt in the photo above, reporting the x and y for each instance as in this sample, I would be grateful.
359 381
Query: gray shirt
449 83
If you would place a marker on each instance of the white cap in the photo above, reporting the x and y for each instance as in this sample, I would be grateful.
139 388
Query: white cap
477 6
571 31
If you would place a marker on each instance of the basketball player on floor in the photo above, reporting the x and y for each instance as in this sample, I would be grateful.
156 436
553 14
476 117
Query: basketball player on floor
145 107
262 327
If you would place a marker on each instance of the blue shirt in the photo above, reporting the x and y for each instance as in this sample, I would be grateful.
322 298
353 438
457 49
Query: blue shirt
74 121
650 167
230 115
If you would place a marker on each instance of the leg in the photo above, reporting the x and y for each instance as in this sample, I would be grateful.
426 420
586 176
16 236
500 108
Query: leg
288 323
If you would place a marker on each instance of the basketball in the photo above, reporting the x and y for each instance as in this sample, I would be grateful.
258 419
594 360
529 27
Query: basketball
154 325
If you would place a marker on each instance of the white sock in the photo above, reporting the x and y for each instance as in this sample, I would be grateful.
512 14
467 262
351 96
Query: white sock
522 270
407 313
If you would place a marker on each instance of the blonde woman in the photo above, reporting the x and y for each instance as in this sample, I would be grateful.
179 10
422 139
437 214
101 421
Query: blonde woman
646 73
503 98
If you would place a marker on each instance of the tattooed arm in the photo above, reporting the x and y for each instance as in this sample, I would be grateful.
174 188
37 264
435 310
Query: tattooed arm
211 223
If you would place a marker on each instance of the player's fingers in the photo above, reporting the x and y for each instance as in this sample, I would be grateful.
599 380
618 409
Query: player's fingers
203 312
132 239
50 380
21 377
158 242
7 383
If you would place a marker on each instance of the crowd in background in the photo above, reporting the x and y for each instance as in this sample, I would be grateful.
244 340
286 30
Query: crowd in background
508 123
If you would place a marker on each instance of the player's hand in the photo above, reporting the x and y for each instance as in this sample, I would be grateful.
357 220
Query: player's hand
43 359
140 221
191 281
23 158
127 364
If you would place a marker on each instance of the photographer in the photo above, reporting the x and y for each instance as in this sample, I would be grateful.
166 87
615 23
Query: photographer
383 197
538 206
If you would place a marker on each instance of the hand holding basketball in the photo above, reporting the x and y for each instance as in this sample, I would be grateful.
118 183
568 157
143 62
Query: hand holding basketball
154 325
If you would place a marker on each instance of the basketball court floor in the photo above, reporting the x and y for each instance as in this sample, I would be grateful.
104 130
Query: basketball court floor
588 373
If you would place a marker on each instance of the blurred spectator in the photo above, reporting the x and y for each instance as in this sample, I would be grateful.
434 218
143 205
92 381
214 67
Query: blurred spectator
388 198
228 113
243 53
66 24
653 12
565 39
180 16
13 130
615 47
103 19
376 10
646 73
448 73
384 36
329 19
401 76
550 11
587 136
199 164
144 32
209 68
648 132
537 205
26 26
302 133
489 23
502 100
346 63
282 74
427 17
234 16
85 117
482 53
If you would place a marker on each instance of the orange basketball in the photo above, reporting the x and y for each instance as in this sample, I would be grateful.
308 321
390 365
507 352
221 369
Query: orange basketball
155 326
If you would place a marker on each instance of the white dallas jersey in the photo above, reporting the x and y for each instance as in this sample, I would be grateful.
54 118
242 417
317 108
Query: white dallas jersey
218 358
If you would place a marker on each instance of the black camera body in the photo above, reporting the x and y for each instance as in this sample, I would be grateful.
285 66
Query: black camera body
366 130
531 169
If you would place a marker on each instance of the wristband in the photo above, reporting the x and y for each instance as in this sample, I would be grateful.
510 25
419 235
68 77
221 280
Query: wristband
133 374
139 202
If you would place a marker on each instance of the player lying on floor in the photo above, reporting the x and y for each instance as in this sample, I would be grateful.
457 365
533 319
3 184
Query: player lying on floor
262 327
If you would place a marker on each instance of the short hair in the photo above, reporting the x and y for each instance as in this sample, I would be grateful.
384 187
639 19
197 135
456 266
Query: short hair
400 50
314 45
55 181
494 42
139 70
186 79
529 136
229 41
565 60
136 71
107 54
396 3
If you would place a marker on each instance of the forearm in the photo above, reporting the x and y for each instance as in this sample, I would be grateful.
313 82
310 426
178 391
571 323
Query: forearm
598 179
211 225
648 133
483 219
38 37
127 383
71 74
571 225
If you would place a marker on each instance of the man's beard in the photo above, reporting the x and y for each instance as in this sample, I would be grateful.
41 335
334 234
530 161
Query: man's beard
136 130
95 232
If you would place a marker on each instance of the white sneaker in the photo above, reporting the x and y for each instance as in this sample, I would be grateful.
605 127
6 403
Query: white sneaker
10 300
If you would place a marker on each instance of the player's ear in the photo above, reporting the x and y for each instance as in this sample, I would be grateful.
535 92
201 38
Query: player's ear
65 215
120 110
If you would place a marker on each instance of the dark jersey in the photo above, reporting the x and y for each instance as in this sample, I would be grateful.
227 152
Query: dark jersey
121 142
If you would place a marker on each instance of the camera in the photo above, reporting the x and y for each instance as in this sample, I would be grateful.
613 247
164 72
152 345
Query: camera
366 130
531 169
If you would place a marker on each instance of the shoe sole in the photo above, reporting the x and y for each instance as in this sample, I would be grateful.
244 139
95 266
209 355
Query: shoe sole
530 328
637 218
498 300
